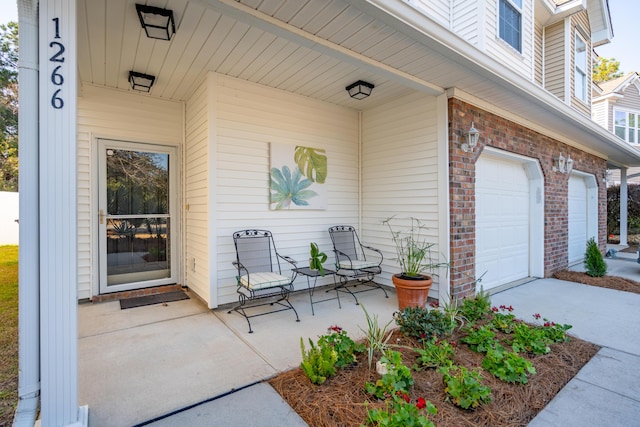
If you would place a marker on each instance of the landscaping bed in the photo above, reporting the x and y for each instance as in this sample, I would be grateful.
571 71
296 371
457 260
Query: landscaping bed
610 282
343 401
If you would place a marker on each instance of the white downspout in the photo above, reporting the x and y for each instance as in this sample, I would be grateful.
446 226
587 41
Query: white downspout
624 206
29 260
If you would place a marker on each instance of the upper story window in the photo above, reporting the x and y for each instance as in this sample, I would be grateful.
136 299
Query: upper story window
511 23
580 58
627 125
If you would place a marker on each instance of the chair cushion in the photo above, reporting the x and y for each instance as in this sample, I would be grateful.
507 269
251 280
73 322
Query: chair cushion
357 264
264 280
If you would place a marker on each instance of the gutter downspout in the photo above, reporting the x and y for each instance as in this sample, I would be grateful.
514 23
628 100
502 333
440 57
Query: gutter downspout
29 255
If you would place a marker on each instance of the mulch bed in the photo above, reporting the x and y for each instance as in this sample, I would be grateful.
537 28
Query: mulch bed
340 401
610 282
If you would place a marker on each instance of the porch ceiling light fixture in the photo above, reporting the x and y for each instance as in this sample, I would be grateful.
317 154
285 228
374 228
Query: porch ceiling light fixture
472 137
157 22
563 165
141 82
360 89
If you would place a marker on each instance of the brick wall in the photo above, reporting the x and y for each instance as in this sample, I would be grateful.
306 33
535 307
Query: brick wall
503 134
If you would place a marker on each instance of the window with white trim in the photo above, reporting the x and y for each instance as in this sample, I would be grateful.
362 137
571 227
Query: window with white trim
627 125
510 22
580 59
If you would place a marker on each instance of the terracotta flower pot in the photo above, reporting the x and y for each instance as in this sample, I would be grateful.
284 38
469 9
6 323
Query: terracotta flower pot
412 292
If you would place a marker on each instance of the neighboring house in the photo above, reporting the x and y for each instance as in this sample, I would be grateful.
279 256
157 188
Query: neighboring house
155 183
616 107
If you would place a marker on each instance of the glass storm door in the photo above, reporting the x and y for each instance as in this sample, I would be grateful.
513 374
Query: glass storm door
136 214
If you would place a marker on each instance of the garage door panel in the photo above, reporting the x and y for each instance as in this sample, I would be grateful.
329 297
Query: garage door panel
577 213
502 221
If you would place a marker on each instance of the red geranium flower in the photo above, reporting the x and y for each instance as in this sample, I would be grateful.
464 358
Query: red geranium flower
421 403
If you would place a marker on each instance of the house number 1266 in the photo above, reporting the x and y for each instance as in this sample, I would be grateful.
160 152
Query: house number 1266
56 76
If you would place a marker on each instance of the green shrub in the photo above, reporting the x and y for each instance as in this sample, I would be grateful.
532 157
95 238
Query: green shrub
476 308
594 261
435 353
479 339
530 339
397 379
464 388
319 362
344 346
507 365
424 324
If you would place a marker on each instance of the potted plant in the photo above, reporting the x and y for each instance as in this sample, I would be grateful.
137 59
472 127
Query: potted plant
415 259
316 258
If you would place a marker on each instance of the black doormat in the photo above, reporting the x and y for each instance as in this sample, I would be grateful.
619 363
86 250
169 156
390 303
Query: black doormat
152 299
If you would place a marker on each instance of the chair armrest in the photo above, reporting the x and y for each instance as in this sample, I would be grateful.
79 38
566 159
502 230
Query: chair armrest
237 264
339 253
288 259
379 253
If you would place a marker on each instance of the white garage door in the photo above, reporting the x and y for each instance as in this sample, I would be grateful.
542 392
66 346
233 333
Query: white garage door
502 221
577 218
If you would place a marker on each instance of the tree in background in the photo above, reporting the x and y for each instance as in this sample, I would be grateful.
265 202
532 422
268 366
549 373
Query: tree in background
633 209
9 107
606 69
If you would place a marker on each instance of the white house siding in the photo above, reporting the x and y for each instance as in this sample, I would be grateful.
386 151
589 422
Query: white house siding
500 50
438 10
554 59
105 113
248 118
580 23
400 172
465 20
197 191
599 114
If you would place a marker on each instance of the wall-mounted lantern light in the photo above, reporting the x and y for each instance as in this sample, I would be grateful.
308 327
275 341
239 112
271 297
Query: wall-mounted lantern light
360 89
563 165
471 136
157 22
141 82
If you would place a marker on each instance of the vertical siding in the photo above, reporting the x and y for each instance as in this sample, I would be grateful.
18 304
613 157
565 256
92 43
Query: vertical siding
400 171
502 51
580 22
196 176
249 118
105 113
554 59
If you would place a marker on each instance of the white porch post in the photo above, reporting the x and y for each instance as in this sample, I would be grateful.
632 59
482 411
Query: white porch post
58 201
624 203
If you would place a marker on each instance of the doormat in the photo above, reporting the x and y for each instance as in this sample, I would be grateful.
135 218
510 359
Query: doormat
152 299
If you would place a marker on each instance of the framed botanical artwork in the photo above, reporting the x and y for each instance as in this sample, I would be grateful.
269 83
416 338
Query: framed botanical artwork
298 176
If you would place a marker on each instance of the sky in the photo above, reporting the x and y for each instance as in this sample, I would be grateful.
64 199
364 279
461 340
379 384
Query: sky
624 16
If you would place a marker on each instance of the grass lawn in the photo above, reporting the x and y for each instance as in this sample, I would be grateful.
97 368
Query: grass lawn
8 333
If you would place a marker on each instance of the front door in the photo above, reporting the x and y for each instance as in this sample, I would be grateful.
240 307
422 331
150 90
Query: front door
137 220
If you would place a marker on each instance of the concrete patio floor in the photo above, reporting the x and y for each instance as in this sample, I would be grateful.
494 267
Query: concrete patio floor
142 363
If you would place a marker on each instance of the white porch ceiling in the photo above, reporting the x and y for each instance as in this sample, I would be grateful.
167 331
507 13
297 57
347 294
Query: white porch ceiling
310 47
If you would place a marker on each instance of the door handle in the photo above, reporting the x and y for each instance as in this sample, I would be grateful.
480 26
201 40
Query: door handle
101 216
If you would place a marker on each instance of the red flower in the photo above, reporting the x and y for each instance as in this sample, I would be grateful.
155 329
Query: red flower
537 316
495 309
335 328
421 403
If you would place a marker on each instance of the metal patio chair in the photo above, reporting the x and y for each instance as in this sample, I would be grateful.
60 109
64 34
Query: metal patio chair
355 261
260 279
